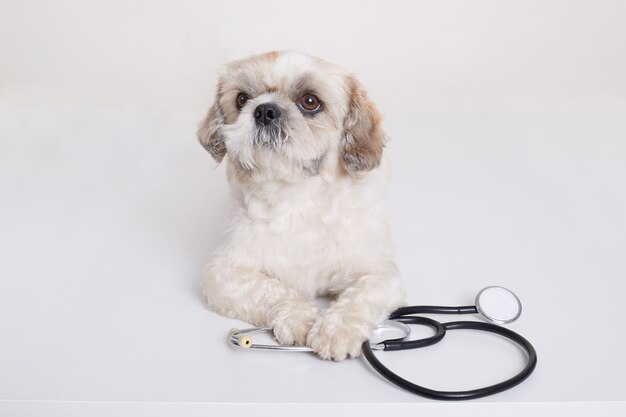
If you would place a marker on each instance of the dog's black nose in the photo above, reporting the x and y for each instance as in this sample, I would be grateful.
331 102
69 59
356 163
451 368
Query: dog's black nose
266 112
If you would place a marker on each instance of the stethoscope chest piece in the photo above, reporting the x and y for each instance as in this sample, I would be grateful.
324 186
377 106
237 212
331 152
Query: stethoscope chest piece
498 305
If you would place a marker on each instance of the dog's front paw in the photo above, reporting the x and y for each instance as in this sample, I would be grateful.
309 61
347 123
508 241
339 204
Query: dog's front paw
332 337
292 320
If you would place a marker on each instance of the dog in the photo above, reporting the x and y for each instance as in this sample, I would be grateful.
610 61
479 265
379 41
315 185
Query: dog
304 148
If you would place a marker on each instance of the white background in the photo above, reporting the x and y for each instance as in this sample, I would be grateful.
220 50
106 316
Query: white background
415 57
508 127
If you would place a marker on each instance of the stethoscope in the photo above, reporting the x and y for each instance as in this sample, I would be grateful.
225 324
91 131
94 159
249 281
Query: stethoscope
496 304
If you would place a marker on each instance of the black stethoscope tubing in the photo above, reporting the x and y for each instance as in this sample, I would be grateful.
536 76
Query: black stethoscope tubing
405 315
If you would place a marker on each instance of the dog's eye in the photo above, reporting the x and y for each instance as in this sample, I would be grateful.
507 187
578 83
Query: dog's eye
242 99
309 103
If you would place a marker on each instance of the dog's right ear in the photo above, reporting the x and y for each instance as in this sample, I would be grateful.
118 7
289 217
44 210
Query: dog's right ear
363 137
210 133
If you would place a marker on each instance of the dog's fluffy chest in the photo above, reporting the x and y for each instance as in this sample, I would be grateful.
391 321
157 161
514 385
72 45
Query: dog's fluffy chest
312 232
309 215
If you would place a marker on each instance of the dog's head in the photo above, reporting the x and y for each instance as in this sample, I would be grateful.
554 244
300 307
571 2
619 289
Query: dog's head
287 114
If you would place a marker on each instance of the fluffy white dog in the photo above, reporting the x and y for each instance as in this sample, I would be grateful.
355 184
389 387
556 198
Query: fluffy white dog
304 148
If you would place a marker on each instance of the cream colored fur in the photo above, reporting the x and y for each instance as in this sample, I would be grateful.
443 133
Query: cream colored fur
307 218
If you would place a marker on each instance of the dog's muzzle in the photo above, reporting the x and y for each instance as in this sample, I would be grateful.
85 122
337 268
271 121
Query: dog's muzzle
270 129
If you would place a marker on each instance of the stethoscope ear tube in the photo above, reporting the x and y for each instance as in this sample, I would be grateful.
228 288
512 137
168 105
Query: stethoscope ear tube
405 311
452 395
399 344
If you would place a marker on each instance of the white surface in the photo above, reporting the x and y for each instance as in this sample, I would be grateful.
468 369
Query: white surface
508 126
108 218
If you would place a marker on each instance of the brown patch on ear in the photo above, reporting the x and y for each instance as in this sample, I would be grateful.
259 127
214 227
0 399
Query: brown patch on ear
210 133
273 55
363 138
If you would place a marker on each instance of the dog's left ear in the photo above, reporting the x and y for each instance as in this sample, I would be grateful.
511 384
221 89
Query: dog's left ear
210 133
363 138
